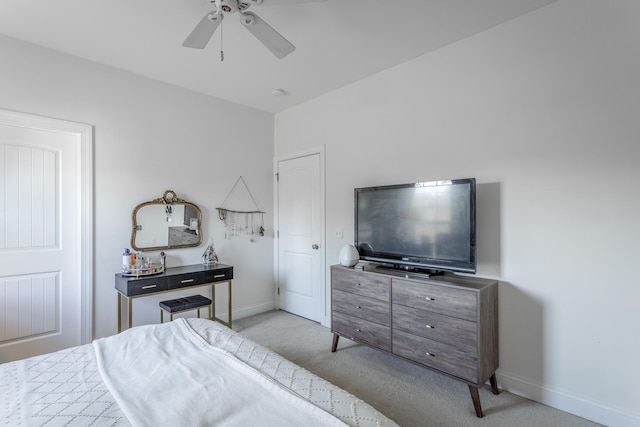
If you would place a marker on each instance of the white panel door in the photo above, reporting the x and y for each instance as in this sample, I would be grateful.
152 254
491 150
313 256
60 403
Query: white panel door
41 281
301 278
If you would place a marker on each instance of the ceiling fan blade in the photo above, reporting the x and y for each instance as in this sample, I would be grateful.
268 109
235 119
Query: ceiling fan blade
269 37
203 32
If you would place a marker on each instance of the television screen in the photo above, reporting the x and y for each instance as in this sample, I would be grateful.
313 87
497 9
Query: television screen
428 225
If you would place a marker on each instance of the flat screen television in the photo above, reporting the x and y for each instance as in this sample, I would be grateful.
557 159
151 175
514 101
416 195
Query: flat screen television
427 227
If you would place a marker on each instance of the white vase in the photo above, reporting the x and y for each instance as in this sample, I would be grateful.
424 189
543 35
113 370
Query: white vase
349 256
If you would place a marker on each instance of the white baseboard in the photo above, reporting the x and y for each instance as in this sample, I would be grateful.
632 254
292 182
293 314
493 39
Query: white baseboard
567 402
327 321
248 311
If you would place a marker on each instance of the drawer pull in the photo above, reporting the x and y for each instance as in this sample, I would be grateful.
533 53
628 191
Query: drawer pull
149 286
187 281
429 326
217 276
429 299
429 354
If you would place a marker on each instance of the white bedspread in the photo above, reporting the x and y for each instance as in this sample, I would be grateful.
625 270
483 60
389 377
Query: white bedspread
169 375
65 388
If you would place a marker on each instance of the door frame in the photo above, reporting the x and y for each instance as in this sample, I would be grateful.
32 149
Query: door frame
276 220
83 134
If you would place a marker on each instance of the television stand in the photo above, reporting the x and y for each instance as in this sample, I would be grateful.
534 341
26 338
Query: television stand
410 271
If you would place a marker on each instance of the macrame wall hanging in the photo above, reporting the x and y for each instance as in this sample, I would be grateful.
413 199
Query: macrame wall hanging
238 221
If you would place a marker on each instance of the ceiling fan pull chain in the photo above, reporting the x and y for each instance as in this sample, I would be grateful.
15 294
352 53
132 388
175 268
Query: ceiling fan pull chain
221 48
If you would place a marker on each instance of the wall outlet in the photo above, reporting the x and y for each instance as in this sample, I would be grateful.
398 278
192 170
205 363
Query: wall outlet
338 233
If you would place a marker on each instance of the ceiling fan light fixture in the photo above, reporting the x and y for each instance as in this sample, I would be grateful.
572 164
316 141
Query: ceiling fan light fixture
228 6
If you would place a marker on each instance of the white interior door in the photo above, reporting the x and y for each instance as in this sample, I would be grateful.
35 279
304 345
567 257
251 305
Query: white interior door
300 262
43 291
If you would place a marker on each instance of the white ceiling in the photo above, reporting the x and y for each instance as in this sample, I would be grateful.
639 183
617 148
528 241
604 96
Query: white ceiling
338 41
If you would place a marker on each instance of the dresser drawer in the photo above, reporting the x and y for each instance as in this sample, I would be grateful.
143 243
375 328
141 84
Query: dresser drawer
217 275
437 355
200 278
359 283
371 309
456 302
133 287
438 327
361 330
183 280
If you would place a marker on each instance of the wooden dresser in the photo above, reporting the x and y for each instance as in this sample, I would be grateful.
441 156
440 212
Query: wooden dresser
446 323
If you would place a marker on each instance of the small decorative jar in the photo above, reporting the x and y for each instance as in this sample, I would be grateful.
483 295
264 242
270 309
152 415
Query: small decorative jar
349 256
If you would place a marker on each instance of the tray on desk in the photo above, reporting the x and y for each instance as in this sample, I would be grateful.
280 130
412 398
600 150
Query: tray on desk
142 272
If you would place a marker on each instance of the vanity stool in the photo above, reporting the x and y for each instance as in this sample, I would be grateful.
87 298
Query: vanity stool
179 305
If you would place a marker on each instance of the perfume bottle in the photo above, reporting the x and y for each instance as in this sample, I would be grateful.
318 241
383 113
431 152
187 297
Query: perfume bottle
126 261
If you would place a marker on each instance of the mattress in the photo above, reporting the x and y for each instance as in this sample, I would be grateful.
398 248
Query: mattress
72 388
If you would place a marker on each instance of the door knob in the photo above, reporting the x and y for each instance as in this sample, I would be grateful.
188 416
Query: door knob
315 246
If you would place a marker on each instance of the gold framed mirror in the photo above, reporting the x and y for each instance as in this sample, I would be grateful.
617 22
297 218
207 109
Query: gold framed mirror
166 223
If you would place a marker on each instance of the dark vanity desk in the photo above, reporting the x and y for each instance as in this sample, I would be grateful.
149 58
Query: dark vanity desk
171 280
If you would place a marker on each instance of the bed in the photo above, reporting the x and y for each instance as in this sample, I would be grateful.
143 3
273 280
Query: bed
189 372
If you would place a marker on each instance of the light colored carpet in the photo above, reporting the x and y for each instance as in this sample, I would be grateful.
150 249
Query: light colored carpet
410 395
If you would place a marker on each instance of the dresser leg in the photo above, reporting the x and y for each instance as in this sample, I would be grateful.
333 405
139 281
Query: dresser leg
475 397
119 313
334 346
494 384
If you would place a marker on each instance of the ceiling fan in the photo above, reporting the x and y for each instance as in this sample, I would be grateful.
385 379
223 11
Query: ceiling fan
269 37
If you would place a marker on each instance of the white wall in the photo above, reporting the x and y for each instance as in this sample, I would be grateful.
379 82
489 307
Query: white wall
150 137
543 111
